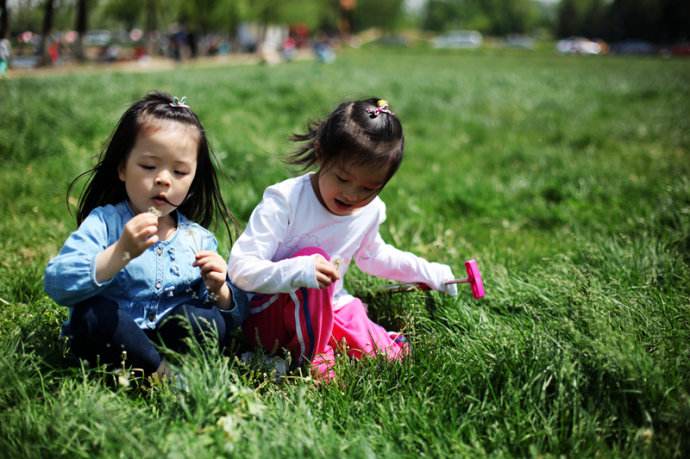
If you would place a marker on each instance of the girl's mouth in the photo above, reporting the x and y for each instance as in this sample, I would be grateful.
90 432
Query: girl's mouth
160 200
342 204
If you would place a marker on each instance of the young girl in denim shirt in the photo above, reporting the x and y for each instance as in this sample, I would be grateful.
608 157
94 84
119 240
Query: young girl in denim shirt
307 230
142 268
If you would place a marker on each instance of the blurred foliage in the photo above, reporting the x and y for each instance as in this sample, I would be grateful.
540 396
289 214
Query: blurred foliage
655 20
386 14
497 17
661 21
199 15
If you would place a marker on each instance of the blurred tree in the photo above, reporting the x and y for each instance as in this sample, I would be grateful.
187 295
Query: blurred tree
46 30
498 17
81 24
569 18
661 21
636 19
594 22
25 16
588 18
346 16
151 26
509 16
127 13
443 15
197 15
4 20
228 14
385 14
676 21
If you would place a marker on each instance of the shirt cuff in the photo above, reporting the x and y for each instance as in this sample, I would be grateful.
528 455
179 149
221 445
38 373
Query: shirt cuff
240 308
309 270
93 274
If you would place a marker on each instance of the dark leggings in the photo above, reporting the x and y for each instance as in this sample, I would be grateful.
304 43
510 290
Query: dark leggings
101 332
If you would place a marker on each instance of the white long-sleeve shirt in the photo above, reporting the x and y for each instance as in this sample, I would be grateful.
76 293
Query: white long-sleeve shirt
291 217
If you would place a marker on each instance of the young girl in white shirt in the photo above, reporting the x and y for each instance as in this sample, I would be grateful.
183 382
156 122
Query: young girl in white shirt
303 235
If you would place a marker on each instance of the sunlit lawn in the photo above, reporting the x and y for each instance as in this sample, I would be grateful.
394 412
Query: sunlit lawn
567 178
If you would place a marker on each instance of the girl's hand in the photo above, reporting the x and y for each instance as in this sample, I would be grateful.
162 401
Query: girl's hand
214 272
326 272
140 233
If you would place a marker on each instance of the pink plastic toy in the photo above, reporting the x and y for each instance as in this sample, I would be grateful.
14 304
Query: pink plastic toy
474 278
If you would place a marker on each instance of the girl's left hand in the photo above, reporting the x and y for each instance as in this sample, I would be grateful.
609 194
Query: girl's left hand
214 271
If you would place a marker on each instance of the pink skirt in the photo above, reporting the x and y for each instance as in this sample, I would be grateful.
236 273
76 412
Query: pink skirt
304 323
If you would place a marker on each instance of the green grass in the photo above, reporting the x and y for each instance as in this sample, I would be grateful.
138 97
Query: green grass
568 178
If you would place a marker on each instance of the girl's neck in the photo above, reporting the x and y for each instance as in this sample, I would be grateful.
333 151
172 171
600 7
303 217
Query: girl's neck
167 226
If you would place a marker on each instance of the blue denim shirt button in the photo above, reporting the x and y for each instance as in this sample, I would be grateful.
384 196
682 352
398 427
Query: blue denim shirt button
159 251
158 285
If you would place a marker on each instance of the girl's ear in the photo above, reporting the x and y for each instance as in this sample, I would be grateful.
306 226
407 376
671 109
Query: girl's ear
121 171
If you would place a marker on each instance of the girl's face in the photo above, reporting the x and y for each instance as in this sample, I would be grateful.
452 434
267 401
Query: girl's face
161 166
344 188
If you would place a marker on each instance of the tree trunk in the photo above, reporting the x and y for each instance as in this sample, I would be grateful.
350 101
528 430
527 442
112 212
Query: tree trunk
4 20
151 27
47 28
81 27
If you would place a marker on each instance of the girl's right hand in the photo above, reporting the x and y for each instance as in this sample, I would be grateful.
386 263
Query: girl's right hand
140 233
326 272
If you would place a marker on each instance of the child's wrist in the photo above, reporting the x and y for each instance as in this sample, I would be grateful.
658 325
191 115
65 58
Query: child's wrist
121 253
223 297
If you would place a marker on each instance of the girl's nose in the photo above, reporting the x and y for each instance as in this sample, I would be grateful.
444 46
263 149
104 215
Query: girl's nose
162 180
352 195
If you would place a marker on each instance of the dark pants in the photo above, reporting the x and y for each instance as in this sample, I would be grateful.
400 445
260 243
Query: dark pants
100 333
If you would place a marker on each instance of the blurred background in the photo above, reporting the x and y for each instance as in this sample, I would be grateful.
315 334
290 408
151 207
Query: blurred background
53 33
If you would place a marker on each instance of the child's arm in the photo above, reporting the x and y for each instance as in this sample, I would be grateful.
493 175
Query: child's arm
251 266
380 259
216 284
138 234
214 272
70 277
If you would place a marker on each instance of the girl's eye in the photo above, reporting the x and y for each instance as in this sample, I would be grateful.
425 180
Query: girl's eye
181 173
147 167
340 179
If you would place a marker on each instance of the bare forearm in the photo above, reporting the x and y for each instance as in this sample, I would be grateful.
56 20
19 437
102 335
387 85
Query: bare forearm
110 262
224 297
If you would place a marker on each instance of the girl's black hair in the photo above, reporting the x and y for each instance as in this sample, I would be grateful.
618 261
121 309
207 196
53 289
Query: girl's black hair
203 202
355 132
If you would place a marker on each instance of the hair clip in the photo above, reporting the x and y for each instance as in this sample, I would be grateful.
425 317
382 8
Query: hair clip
381 107
181 102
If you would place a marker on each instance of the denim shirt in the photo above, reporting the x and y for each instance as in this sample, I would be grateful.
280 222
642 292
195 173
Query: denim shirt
151 285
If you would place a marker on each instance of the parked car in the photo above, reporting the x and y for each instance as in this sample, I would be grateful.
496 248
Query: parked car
396 41
579 45
633 47
458 39
98 38
519 41
681 49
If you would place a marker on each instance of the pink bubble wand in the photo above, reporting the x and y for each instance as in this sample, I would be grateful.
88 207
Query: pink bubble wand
474 278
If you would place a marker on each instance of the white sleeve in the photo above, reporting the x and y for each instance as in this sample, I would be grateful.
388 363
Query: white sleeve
380 259
251 266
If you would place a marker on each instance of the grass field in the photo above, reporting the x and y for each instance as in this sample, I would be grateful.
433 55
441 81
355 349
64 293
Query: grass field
567 178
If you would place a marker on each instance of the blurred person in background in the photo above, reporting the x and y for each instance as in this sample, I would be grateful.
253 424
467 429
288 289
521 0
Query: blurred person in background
5 54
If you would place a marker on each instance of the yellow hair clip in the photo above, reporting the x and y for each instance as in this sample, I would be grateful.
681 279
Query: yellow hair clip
381 107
